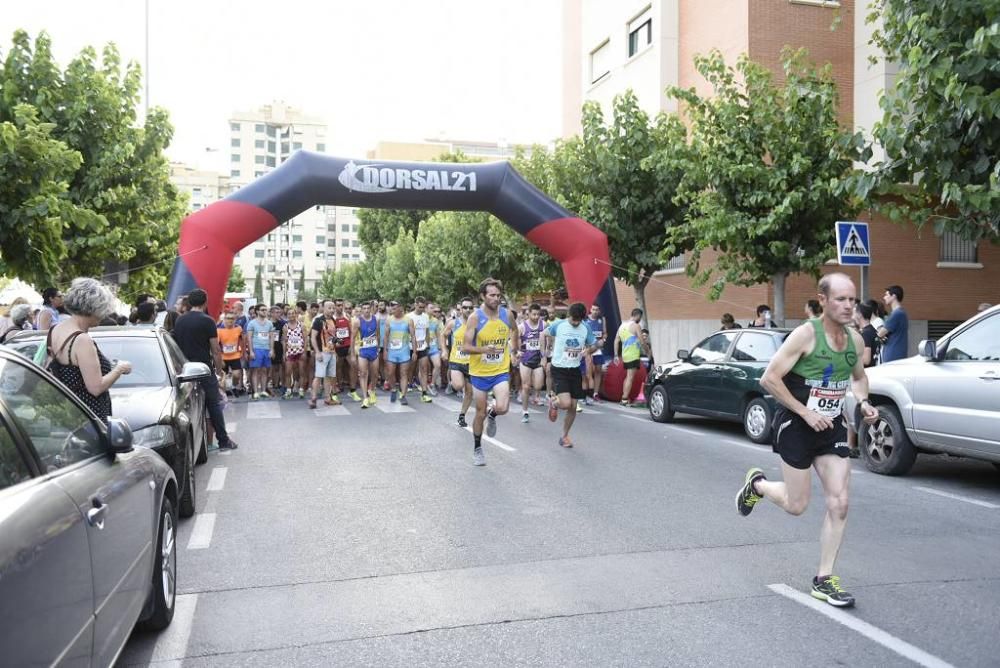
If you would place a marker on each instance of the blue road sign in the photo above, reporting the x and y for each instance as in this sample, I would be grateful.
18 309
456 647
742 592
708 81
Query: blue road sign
852 243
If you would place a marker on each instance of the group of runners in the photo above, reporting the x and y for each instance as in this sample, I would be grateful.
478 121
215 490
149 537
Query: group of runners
490 353
481 349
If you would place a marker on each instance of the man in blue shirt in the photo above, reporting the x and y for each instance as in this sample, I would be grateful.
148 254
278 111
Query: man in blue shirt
896 326
570 341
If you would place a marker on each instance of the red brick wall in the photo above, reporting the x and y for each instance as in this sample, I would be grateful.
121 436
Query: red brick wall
901 255
775 23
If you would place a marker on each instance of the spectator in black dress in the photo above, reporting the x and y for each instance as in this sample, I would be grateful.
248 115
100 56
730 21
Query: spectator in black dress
198 338
74 357
863 319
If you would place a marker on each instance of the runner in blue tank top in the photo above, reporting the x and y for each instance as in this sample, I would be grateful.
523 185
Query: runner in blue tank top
597 363
364 329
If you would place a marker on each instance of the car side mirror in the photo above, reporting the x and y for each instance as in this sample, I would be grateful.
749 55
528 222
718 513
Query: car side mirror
683 354
192 371
119 435
927 349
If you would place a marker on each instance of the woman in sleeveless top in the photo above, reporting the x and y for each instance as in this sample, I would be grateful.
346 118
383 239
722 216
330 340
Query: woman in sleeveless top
74 358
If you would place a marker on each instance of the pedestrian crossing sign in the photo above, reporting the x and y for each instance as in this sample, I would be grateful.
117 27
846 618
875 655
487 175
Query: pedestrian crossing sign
852 243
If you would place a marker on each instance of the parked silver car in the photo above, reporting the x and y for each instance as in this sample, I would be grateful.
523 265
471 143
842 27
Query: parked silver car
946 399
87 527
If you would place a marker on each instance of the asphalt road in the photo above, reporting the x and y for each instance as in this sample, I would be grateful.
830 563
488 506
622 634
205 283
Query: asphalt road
350 537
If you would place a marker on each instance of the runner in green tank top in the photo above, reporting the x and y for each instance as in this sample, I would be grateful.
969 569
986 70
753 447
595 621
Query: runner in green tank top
809 377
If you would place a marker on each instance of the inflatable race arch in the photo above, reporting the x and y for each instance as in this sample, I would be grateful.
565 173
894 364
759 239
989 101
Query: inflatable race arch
210 237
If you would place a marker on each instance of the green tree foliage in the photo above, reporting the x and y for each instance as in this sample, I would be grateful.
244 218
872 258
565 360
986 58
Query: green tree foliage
767 184
941 122
622 176
236 283
397 275
258 283
104 182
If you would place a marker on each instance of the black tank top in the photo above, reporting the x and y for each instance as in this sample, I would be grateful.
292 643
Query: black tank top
70 376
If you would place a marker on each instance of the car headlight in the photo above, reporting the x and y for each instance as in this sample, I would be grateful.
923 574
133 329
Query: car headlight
153 437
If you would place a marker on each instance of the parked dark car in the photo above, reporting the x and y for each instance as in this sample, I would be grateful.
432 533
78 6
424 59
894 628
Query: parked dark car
159 400
719 378
87 527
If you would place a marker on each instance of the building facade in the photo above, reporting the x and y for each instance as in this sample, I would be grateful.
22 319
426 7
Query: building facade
432 149
647 46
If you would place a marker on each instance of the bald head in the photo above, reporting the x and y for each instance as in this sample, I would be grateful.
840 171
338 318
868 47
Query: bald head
834 282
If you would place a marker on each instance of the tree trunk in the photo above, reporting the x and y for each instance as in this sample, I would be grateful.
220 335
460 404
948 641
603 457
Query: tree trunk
778 317
640 299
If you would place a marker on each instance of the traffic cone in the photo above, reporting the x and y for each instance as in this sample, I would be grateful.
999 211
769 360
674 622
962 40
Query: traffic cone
640 401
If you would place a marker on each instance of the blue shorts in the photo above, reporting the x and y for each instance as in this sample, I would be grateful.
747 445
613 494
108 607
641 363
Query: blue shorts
487 383
261 359
434 352
401 356
597 359
370 354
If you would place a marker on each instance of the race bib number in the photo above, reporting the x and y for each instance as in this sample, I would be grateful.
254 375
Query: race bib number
573 353
369 342
395 344
828 402
229 347
532 345
343 332
461 355
493 358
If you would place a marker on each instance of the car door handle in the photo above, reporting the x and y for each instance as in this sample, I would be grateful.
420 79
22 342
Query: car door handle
95 516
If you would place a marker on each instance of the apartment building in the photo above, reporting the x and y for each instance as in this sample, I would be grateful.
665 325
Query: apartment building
647 46
317 240
431 149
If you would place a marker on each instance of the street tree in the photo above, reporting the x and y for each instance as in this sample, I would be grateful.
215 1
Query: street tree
940 129
236 283
124 207
623 176
397 275
768 180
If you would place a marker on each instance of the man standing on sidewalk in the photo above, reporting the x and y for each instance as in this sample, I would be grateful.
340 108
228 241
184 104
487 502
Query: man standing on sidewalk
809 377
896 329
198 339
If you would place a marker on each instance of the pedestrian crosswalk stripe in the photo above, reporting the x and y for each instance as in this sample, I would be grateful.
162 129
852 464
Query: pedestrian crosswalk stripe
327 411
391 407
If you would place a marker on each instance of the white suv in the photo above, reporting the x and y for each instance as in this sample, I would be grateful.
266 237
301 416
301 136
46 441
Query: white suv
945 399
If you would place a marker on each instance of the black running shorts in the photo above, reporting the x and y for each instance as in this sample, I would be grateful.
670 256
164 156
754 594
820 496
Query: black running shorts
568 381
461 368
634 364
798 444
422 353
232 365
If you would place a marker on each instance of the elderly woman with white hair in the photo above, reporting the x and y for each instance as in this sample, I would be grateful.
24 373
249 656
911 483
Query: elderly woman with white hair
18 319
74 357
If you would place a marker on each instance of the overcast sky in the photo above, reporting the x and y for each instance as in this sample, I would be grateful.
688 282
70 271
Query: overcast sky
387 70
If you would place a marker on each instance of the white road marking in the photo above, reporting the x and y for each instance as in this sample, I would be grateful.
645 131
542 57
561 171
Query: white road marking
693 432
327 411
201 535
637 418
231 427
217 480
389 407
263 410
873 633
172 642
748 446
949 495
499 444
224 453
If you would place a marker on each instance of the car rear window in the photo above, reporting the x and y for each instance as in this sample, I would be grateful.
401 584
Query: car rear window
754 347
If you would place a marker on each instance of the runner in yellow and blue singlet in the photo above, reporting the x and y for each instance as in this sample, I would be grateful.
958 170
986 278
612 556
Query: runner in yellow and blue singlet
489 338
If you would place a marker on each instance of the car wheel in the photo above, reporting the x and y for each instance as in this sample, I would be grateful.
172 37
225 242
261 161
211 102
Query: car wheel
757 420
189 483
659 405
885 445
164 585
203 451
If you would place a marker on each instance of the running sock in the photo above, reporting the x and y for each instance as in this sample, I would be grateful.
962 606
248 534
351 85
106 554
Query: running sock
492 413
477 440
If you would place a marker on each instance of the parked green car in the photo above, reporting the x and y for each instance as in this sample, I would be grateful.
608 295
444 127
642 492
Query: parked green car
719 378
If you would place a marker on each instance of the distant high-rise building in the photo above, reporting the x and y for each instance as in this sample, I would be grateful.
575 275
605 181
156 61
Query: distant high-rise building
431 149
318 239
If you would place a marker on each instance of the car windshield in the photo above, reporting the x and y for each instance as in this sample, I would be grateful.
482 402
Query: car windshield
148 367
145 355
